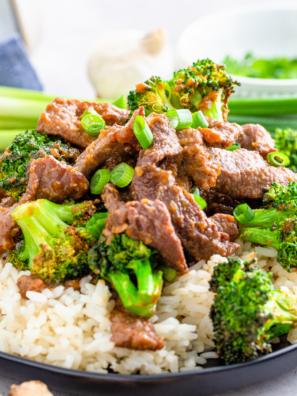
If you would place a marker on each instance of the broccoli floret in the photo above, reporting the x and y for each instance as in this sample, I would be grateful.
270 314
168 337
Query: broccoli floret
53 248
247 313
129 266
276 224
17 158
205 86
286 143
152 95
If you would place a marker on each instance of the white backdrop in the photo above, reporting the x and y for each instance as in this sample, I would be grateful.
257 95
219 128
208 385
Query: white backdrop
71 28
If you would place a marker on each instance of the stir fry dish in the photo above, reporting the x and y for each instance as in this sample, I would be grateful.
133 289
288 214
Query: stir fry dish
131 198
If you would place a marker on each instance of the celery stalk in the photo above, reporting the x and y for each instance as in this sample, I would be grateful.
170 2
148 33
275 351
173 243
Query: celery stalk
8 123
20 93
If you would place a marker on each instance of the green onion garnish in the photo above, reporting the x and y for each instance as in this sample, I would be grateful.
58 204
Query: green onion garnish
121 102
99 180
180 119
142 132
199 200
234 146
243 213
278 159
122 175
96 224
199 120
92 122
169 274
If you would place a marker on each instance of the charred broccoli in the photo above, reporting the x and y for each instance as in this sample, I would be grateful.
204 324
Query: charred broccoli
53 247
205 86
276 224
129 266
17 158
286 143
247 313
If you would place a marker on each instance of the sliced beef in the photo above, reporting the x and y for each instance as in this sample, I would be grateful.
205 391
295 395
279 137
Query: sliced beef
145 221
113 146
200 236
49 179
6 201
197 159
56 181
226 224
35 283
245 173
255 137
63 117
220 134
112 198
133 332
222 203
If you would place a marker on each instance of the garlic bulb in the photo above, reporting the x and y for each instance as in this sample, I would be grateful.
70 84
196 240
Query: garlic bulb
127 58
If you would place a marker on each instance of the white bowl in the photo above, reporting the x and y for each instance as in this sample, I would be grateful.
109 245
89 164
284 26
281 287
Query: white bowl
266 30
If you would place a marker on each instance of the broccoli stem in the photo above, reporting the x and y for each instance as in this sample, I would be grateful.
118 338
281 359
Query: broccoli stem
216 108
267 217
261 236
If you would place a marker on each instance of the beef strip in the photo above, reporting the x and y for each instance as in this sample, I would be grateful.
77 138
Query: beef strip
56 181
245 173
132 331
200 236
145 221
114 145
49 179
255 137
30 388
197 159
222 203
220 134
226 224
62 117
35 283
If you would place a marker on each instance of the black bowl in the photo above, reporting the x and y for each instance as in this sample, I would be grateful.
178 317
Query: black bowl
215 378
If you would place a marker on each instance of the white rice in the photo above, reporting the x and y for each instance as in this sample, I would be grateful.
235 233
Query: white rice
71 329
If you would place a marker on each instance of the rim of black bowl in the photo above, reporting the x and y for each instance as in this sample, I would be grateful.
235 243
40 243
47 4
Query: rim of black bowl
143 377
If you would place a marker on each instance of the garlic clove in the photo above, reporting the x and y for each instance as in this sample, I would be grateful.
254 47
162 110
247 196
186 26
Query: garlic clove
154 42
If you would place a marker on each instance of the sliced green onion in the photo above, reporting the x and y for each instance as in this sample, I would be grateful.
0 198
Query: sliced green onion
199 120
278 159
121 102
99 180
169 274
234 146
122 175
199 200
92 122
142 132
180 119
243 213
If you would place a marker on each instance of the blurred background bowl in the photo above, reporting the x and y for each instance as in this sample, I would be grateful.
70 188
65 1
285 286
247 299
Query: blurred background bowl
267 30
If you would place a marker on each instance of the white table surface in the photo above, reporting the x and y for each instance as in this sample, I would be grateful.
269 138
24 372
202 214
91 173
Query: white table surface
67 38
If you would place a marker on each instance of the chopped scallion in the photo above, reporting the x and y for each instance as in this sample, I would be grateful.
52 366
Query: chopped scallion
180 119
243 213
278 159
122 175
99 180
92 122
121 102
199 120
142 132
234 146
199 200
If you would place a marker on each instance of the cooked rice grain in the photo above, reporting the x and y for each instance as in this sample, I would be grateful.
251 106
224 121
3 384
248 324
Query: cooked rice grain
71 329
